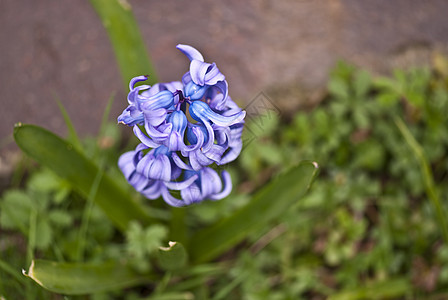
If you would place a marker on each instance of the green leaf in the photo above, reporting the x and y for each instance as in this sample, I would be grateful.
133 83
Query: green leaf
63 159
44 233
266 205
60 218
126 39
79 279
173 257
15 210
361 83
380 290
143 241
338 88
431 190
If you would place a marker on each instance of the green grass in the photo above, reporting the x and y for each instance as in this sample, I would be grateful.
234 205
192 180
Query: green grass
372 226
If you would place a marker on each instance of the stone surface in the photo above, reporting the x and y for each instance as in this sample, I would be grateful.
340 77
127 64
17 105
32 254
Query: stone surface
59 49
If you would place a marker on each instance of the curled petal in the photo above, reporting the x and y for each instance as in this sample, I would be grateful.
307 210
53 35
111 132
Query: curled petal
134 96
158 168
181 185
210 182
200 111
232 154
170 199
190 52
126 164
144 138
152 189
192 194
196 136
176 142
138 181
179 162
198 160
203 73
215 152
160 133
213 75
130 118
135 80
227 187
198 70
219 95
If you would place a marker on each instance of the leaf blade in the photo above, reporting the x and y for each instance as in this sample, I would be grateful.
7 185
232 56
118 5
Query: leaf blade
63 159
126 39
79 279
210 242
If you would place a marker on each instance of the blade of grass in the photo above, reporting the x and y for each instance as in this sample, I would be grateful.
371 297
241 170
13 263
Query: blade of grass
61 157
30 248
428 177
72 135
80 279
391 289
106 115
126 39
266 205
178 230
11 271
87 213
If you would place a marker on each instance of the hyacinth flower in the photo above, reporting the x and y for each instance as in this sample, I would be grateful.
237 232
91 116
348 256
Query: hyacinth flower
185 128
150 103
153 174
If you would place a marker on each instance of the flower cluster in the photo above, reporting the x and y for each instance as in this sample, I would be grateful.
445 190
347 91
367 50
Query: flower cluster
188 126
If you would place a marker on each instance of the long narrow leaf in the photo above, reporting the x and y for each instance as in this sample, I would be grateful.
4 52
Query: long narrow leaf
126 39
389 289
61 157
79 279
72 135
269 203
427 177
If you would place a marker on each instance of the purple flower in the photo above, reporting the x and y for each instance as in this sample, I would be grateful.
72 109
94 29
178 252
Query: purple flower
153 174
150 103
207 185
177 150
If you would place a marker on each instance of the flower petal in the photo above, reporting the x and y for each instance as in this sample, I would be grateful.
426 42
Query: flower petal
210 182
213 75
190 52
144 138
170 199
135 80
128 117
157 168
126 164
232 154
200 111
218 101
179 162
198 70
227 187
198 160
173 185
192 194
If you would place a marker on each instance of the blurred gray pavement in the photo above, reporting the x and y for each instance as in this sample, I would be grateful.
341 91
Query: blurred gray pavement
59 49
